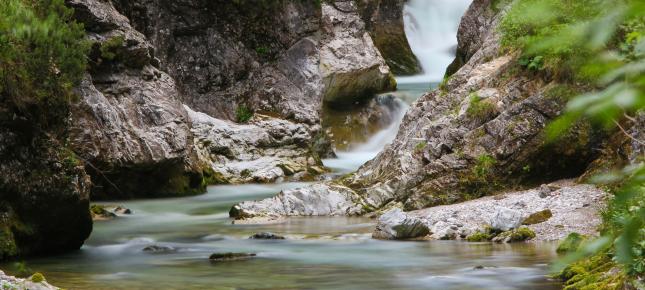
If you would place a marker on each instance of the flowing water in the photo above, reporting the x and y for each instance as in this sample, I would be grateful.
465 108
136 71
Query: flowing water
319 252
431 29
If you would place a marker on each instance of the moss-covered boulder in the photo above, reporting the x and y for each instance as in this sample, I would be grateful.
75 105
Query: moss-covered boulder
571 243
538 217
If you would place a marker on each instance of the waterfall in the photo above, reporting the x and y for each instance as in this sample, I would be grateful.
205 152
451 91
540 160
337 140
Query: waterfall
349 161
431 29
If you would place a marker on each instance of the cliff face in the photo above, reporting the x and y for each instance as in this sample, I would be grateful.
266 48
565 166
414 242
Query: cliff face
241 68
44 191
480 133
384 21
129 124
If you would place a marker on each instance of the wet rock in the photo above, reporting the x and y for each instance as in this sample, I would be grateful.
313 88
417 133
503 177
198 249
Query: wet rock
397 225
157 249
315 200
347 75
35 282
506 219
266 236
227 257
122 210
100 213
520 234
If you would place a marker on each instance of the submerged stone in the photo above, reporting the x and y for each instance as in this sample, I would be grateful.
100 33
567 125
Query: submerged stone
266 236
225 257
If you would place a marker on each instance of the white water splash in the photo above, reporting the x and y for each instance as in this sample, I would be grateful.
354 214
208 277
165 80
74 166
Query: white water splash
431 28
349 161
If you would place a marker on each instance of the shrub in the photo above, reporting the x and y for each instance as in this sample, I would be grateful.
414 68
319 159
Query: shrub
43 57
110 48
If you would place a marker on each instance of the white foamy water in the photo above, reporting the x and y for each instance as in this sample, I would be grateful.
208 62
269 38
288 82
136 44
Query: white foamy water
431 28
351 160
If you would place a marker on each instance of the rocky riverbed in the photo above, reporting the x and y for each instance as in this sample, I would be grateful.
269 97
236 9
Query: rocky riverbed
552 211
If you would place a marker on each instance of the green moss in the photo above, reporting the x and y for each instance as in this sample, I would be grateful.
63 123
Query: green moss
517 235
479 237
592 273
538 217
479 109
37 277
571 243
211 177
98 209
243 114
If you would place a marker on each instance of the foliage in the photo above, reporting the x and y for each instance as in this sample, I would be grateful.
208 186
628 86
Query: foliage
601 43
43 56
571 243
484 165
243 114
480 109
110 48
21 269
420 146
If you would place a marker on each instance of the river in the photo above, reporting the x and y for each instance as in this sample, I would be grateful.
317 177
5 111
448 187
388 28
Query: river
318 252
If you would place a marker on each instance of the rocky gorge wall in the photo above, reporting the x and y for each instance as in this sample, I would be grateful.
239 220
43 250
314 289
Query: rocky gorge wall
263 68
479 133
181 94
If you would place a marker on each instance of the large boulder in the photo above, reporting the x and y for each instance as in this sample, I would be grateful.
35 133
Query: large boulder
506 219
397 225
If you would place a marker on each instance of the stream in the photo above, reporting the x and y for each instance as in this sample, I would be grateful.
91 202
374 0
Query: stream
318 252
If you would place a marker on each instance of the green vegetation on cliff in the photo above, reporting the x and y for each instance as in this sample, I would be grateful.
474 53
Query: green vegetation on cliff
43 57
598 44
44 203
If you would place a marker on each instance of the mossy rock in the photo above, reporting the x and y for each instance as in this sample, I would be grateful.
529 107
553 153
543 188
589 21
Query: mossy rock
520 234
480 237
538 217
571 243
37 278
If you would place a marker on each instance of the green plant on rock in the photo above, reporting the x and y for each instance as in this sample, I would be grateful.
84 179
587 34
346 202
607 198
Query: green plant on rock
43 57
111 47
484 165
243 114
22 270
419 147
479 236
480 109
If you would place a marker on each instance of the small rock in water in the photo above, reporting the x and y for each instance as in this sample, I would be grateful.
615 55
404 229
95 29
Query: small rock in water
225 257
122 210
99 213
266 236
396 224
156 249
